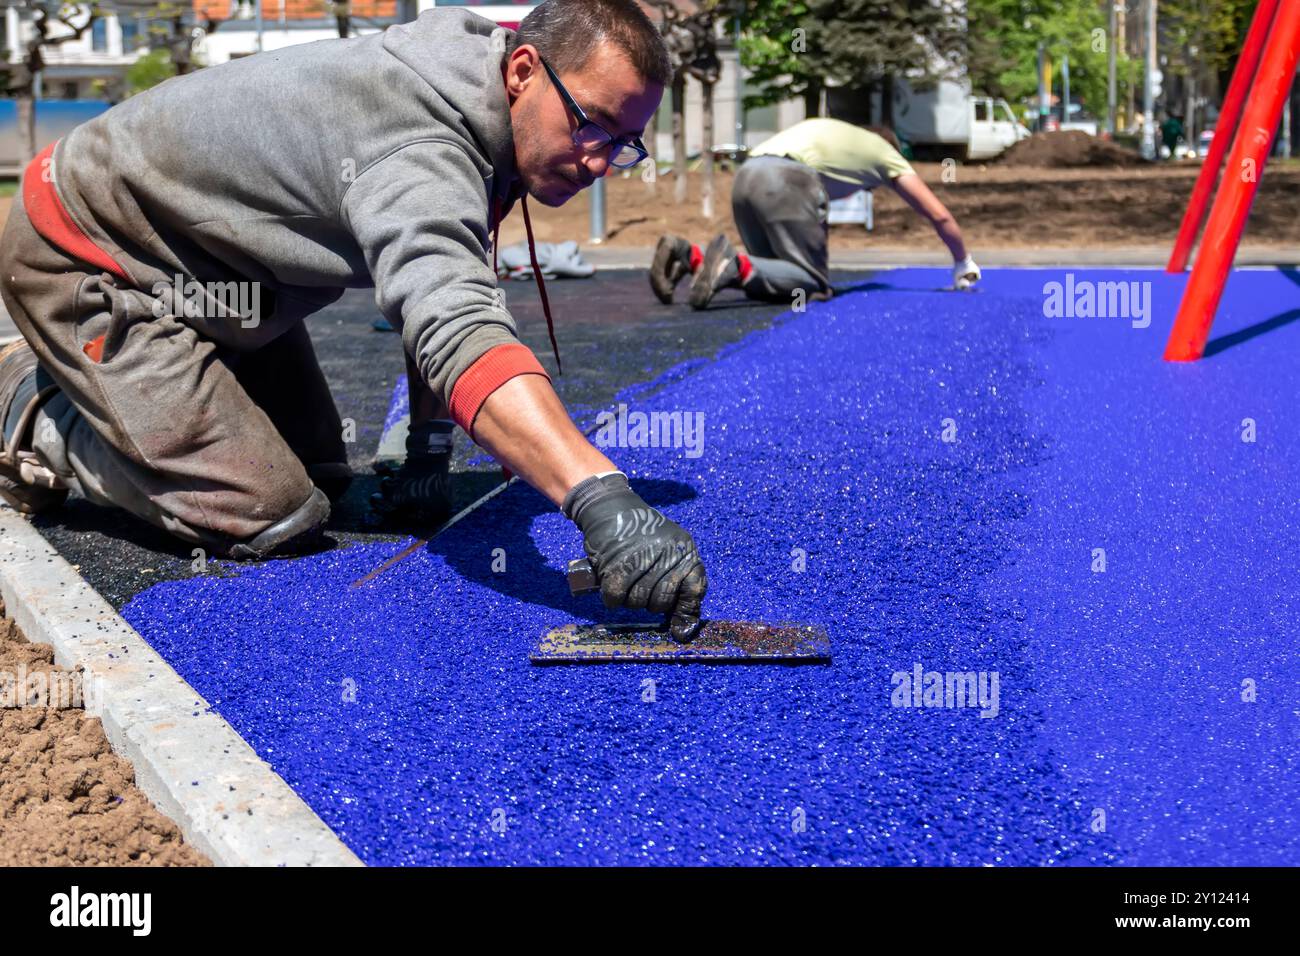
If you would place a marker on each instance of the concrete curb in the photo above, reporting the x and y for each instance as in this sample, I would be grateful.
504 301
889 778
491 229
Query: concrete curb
188 760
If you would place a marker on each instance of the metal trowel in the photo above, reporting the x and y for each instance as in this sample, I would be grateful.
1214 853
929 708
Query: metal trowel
716 642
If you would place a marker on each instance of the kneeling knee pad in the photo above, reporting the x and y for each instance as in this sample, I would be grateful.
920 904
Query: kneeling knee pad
294 534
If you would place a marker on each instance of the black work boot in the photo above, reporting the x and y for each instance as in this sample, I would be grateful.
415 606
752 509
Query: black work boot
418 492
296 534
719 271
25 483
671 264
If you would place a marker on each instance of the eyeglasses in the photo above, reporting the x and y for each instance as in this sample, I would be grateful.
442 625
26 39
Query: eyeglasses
592 137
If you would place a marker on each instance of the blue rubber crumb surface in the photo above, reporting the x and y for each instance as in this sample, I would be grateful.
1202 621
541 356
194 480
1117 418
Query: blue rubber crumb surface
407 715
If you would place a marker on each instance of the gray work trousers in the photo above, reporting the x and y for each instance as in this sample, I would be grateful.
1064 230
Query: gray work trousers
780 208
207 443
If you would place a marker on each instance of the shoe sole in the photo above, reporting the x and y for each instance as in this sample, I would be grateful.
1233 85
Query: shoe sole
715 260
661 283
26 498
25 506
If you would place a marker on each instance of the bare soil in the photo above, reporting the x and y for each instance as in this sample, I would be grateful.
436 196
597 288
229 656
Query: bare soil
1048 192
65 798
997 205
1069 149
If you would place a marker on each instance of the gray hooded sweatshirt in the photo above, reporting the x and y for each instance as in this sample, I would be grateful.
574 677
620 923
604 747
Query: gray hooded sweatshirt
336 164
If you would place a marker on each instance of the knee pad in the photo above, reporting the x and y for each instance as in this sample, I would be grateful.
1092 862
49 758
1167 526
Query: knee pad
296 534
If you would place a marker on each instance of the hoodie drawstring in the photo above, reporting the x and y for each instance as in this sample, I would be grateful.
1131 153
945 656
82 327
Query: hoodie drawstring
495 229
541 283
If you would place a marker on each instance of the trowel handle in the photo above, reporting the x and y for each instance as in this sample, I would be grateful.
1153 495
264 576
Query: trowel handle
582 578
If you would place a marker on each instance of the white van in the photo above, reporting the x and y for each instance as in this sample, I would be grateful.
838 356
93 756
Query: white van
947 120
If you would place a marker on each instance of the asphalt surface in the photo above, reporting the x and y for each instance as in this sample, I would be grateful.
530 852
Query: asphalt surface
612 334
950 484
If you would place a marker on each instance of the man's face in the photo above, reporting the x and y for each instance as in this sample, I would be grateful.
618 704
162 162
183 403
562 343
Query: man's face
610 91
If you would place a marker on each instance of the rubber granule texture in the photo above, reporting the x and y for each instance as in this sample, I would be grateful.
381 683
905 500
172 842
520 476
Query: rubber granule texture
946 482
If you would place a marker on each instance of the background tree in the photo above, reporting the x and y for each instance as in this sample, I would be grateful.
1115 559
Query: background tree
173 31
853 46
860 46
1200 41
691 38
706 67
148 71
772 47
53 24
342 13
1198 44
345 20
1002 58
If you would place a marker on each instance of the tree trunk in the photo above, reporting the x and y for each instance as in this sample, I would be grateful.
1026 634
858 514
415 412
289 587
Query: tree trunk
812 99
26 105
651 140
1130 90
706 200
887 101
679 139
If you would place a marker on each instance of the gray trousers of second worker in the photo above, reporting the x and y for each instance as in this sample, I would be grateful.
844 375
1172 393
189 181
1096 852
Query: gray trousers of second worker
210 444
781 210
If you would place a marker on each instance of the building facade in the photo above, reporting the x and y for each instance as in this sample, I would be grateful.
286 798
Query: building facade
93 67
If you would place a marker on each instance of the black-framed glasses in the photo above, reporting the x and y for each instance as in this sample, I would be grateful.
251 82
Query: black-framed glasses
625 153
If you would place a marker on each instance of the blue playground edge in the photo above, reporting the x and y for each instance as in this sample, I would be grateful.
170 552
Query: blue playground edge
1145 714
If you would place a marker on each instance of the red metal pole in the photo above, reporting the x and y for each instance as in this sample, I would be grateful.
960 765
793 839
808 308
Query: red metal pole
1224 128
1240 180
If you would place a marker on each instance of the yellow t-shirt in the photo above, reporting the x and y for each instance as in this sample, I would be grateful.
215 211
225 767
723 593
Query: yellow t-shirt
838 151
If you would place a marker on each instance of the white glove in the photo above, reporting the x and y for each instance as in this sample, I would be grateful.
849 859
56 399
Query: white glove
965 274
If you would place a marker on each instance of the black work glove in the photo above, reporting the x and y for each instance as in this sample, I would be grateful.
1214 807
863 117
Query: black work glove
641 558
419 491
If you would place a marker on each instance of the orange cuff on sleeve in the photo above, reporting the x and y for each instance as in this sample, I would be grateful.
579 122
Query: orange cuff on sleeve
52 221
493 369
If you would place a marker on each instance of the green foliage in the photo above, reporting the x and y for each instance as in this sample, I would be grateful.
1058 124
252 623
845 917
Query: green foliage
861 41
1203 32
792 47
767 48
1004 39
148 71
1195 35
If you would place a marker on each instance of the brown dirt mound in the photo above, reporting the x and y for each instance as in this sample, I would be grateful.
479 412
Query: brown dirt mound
65 798
1067 149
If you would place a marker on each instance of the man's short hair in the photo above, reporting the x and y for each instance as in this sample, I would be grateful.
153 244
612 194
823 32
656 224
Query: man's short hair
566 33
